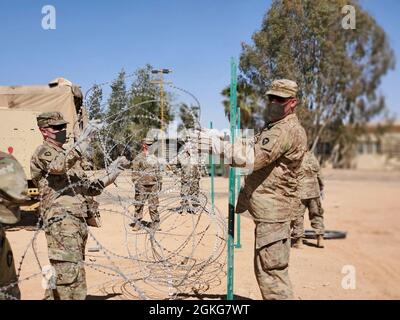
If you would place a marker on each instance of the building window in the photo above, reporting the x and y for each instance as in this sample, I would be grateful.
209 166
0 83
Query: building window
360 148
370 147
378 147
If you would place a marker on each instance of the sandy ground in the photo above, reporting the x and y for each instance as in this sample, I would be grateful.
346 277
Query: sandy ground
365 204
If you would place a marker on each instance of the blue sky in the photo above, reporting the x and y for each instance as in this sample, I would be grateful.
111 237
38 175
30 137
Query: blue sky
95 39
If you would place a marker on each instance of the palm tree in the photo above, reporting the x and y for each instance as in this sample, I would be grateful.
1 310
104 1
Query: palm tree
250 106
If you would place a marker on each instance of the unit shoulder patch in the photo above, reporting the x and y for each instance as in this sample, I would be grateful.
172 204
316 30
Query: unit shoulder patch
269 138
46 154
265 141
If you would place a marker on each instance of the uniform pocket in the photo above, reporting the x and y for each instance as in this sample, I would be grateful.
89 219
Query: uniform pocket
268 233
275 255
65 240
66 272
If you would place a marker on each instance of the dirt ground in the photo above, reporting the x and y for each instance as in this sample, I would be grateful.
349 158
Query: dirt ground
365 204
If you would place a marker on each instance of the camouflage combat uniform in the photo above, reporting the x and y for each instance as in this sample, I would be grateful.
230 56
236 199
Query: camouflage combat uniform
310 186
63 186
190 181
8 276
147 179
13 186
270 194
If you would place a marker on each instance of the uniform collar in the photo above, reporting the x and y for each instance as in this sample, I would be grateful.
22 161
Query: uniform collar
51 145
285 119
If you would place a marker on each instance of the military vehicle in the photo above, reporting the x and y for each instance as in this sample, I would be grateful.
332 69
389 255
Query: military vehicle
19 106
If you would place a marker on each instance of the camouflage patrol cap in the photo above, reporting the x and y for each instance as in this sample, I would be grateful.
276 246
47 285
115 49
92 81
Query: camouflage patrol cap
148 141
13 188
46 119
283 88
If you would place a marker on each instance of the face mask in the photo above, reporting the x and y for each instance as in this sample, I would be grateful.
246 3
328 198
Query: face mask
275 111
61 136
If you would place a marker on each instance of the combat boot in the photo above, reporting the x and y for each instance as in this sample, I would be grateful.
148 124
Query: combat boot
137 226
298 243
155 225
193 209
320 241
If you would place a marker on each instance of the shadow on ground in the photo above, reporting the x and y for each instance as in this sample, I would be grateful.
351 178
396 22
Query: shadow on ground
29 221
310 244
204 296
106 297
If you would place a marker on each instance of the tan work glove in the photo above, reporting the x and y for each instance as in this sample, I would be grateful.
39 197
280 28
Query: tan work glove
83 142
114 170
204 140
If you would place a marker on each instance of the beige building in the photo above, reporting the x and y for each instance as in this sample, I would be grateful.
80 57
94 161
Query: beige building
377 150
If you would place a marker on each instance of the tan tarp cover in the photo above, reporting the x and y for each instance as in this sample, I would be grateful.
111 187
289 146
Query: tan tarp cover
19 106
58 95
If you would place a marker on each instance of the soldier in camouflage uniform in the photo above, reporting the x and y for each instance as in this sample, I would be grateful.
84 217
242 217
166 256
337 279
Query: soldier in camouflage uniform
270 192
190 181
13 191
311 185
146 176
63 187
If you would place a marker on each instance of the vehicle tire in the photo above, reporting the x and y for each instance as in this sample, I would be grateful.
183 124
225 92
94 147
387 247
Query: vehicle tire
329 234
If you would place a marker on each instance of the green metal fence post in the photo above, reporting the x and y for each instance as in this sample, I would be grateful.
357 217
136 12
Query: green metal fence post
238 245
212 169
232 181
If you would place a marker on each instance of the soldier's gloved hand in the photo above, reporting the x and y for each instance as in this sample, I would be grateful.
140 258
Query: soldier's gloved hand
205 140
214 138
211 133
92 126
83 148
121 163
83 142
114 170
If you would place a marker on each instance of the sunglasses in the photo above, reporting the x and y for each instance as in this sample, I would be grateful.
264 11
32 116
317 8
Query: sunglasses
278 99
59 127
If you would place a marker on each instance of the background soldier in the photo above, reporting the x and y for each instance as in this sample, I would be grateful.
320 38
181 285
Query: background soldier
13 191
190 181
63 186
146 175
270 192
311 187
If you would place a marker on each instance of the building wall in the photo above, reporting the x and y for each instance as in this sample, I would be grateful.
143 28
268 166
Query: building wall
379 152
